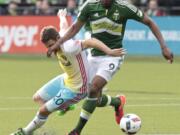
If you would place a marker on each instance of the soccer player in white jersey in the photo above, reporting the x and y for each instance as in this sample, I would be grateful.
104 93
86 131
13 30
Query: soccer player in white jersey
70 87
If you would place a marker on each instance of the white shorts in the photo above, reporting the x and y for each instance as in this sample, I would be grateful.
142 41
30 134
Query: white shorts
104 66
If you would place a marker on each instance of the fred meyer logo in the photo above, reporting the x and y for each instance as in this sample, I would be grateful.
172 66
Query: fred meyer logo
18 36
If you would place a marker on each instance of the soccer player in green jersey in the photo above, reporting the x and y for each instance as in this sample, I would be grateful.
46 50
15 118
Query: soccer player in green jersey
107 19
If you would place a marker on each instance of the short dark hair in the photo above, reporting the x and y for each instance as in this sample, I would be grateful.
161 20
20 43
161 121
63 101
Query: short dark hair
47 33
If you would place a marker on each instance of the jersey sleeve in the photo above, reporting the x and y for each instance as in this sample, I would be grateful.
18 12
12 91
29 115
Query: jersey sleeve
83 12
72 47
131 11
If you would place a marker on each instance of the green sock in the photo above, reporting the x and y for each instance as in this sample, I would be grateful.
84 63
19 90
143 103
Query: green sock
115 101
103 101
88 108
108 100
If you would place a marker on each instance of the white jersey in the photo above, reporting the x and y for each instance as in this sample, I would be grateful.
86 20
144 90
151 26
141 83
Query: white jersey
73 61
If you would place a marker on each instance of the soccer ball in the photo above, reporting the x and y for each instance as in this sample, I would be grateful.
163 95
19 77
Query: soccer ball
130 124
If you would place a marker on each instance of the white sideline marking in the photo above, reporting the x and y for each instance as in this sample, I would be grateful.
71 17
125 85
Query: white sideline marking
160 134
136 99
15 98
18 108
131 98
153 105
131 105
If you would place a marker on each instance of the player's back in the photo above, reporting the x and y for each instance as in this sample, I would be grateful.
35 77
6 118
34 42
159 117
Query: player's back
73 62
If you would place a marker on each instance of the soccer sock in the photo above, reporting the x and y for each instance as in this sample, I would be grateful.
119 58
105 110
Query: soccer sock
108 100
37 122
88 108
115 101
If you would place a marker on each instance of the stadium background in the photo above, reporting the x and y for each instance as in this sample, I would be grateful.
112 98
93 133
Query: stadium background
151 85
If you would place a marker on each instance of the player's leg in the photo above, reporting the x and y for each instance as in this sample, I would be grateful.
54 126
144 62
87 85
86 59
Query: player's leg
48 91
110 67
89 104
39 120
103 75
62 100
117 102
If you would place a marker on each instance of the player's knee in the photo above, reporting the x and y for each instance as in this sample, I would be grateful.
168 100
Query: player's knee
98 83
35 98
94 91
38 99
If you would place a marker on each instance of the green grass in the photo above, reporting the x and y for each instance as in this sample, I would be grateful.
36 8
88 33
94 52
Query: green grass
151 85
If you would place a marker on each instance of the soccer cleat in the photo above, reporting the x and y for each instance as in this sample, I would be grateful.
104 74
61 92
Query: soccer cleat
19 132
73 133
63 112
119 112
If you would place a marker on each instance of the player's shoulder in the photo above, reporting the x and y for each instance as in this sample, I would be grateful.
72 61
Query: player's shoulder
90 3
126 4
71 46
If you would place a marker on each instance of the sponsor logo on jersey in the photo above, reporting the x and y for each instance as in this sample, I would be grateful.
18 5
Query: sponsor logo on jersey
106 25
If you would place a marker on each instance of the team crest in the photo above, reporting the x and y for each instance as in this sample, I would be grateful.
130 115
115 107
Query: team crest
116 15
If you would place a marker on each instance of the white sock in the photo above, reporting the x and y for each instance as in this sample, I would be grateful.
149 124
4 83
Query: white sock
36 123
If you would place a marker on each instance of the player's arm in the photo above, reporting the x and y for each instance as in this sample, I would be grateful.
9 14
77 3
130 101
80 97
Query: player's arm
63 23
71 32
73 29
136 14
155 30
95 43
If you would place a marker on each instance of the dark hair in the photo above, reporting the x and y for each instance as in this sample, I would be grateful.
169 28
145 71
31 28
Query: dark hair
47 33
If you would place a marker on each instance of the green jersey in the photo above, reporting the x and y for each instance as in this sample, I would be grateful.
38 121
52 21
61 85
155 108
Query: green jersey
108 25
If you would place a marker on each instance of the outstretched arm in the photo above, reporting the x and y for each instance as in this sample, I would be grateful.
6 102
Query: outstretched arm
63 23
155 30
95 43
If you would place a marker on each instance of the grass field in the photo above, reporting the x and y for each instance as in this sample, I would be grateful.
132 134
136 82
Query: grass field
151 85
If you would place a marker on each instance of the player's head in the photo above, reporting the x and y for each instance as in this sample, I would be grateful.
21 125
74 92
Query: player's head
49 36
106 3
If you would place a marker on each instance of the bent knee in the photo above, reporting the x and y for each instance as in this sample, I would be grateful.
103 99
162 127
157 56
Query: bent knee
94 92
38 99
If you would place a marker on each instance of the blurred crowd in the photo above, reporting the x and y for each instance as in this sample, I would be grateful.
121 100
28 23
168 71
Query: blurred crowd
50 7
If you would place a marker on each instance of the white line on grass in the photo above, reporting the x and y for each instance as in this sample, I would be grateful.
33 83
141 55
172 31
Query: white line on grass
17 108
131 98
15 98
159 134
130 105
153 105
147 98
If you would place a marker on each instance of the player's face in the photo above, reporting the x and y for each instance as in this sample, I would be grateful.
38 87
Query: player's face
50 43
106 3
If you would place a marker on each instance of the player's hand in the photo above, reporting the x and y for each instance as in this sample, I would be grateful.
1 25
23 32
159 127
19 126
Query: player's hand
168 55
117 52
49 52
54 48
62 13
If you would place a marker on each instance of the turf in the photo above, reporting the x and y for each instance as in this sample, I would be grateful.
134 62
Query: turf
151 85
